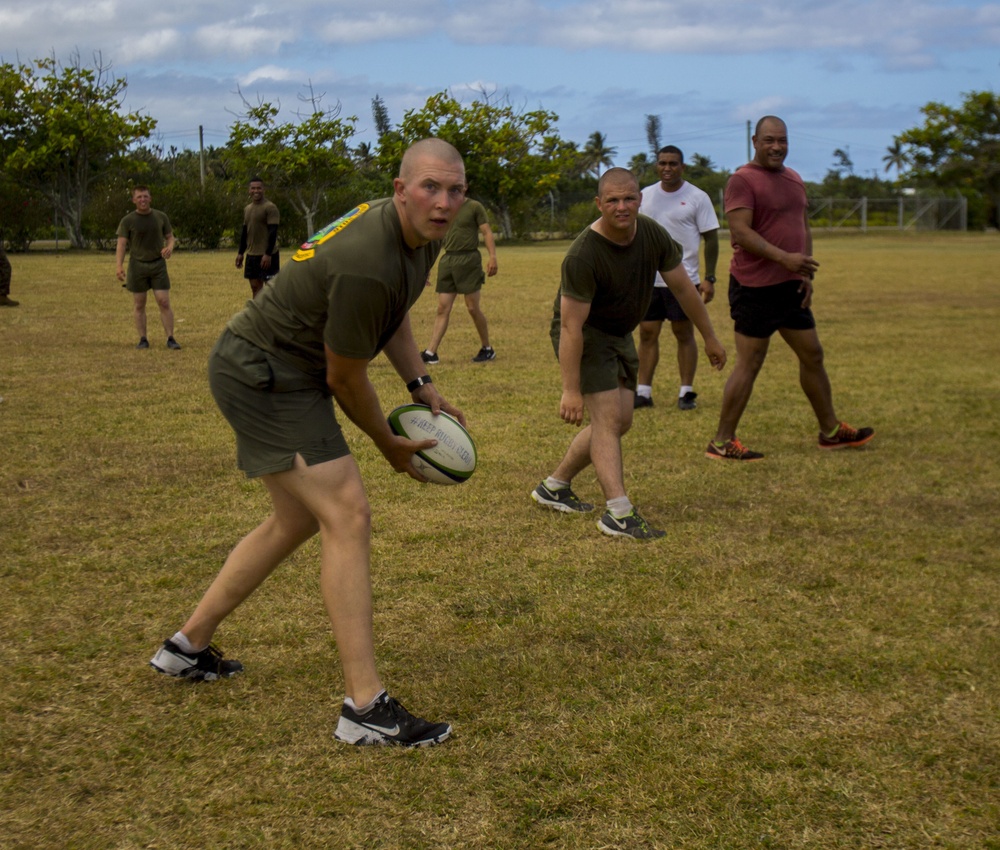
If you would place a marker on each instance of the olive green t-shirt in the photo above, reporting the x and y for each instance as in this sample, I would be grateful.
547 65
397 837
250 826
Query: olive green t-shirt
463 235
257 217
146 234
617 280
350 286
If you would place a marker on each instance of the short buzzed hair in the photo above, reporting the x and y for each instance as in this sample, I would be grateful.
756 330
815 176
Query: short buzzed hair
671 149
616 175
437 148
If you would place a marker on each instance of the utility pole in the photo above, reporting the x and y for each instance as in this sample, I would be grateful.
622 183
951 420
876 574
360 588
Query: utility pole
201 150
749 157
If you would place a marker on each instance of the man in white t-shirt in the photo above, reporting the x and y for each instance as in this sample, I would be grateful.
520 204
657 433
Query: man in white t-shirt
688 215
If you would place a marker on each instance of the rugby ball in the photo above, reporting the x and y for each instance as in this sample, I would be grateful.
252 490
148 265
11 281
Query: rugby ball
453 459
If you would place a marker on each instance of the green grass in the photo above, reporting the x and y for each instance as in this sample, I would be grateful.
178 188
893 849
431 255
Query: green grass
809 660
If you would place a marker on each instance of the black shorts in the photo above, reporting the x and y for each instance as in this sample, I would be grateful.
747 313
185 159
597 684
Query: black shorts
759 311
253 271
664 307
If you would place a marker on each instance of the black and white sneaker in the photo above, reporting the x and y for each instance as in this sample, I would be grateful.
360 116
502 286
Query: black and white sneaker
687 401
564 500
207 665
485 354
388 723
429 357
632 525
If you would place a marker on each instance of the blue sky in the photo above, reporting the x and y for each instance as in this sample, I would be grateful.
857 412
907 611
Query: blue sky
847 75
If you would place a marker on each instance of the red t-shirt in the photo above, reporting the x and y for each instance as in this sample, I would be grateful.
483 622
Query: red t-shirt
778 202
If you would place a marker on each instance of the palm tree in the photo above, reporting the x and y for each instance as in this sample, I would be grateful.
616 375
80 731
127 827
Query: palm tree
896 157
597 153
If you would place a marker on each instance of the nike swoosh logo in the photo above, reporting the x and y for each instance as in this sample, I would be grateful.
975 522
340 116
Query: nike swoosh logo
385 730
622 525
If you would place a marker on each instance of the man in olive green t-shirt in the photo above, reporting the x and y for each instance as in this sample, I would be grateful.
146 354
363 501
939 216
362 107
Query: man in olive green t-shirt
259 238
308 339
460 272
607 284
149 239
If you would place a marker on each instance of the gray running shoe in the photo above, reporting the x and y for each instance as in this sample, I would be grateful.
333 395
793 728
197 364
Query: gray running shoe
632 525
564 500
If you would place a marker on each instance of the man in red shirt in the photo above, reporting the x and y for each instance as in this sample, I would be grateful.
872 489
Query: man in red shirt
770 289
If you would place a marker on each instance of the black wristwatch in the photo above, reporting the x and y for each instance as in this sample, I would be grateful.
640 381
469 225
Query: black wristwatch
417 383
710 278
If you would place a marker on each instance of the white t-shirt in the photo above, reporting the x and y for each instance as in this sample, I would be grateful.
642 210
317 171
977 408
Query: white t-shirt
686 214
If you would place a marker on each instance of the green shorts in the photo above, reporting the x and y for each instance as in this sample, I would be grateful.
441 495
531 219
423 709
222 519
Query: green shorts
608 361
143 275
460 273
276 410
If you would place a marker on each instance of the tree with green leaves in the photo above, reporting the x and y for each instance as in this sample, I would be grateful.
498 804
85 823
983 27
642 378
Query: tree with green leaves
654 128
896 157
958 147
512 158
597 153
62 129
304 157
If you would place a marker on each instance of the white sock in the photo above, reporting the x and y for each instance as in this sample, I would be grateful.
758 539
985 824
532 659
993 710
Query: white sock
555 484
684 391
620 507
645 390
365 708
180 639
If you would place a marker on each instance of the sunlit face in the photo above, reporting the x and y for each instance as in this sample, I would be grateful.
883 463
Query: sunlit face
619 207
428 198
256 191
142 200
770 145
670 167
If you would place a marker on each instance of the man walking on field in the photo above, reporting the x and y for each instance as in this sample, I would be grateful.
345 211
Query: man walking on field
607 283
770 289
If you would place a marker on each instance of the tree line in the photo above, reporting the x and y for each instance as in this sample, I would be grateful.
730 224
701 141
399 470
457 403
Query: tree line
70 151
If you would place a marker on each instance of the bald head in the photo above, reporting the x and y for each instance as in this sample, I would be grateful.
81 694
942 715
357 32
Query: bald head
437 149
616 178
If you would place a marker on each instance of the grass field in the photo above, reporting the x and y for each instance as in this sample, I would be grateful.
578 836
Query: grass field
810 659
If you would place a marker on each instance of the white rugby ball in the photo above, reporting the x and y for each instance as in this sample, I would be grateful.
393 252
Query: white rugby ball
453 459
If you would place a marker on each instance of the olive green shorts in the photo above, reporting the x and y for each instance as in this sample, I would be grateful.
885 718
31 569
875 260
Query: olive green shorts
461 273
608 361
144 275
276 410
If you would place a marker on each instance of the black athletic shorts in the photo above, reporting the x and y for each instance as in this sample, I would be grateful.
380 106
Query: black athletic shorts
253 271
664 307
759 311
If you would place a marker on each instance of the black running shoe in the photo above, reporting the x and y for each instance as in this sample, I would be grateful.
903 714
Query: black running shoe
731 450
388 723
484 355
564 500
687 401
207 665
429 357
632 525
173 344
143 343
847 438
642 401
